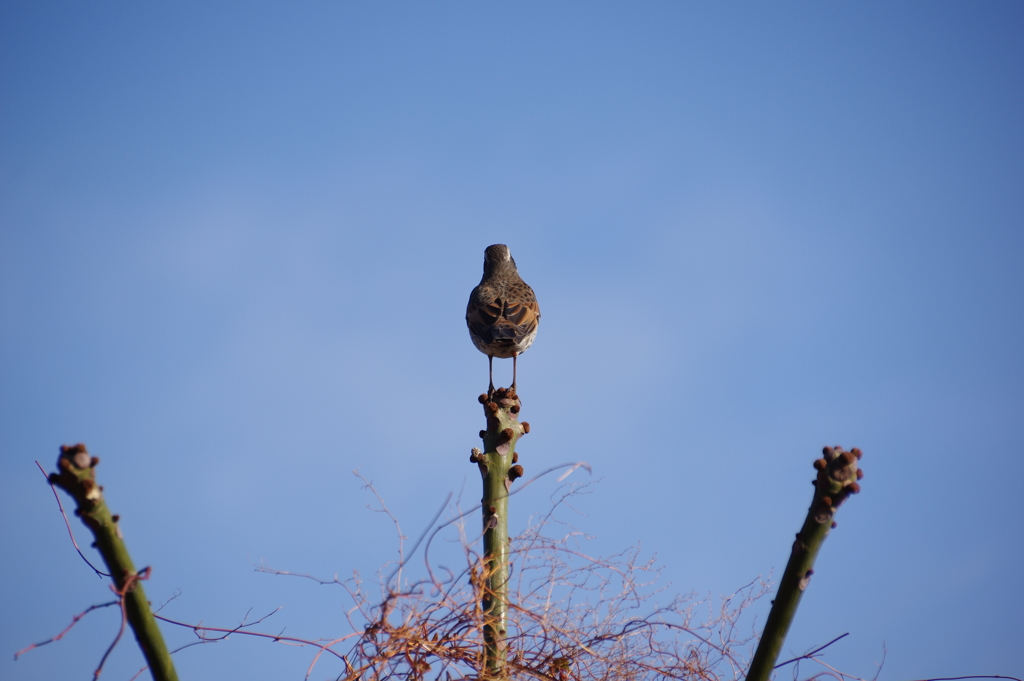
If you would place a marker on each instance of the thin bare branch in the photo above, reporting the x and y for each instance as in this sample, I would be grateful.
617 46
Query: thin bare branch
67 523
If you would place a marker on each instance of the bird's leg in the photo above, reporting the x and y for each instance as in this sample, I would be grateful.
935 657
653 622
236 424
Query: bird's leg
490 375
515 356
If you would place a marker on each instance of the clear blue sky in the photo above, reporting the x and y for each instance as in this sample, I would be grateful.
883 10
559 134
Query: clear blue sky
236 243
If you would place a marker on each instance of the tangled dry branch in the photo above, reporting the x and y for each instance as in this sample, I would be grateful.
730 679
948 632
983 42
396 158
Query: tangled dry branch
571 616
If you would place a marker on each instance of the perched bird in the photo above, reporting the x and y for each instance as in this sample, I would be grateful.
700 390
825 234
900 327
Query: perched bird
503 313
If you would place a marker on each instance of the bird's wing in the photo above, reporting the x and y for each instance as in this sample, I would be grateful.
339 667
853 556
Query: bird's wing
521 309
524 315
482 312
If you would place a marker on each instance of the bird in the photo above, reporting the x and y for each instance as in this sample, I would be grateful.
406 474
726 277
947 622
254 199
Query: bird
503 313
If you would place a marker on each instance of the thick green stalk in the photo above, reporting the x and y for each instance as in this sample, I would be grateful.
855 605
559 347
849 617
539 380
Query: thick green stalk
77 478
837 479
498 468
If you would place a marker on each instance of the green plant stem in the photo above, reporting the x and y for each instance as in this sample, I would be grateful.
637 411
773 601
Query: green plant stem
498 470
77 478
837 479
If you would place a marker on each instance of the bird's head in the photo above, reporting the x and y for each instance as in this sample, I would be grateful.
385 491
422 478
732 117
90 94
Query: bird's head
497 257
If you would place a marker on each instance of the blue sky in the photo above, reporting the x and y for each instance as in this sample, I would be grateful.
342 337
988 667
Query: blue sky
237 239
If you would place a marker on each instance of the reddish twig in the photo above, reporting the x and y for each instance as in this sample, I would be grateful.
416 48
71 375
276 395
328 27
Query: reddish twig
74 621
198 628
129 584
810 655
978 676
